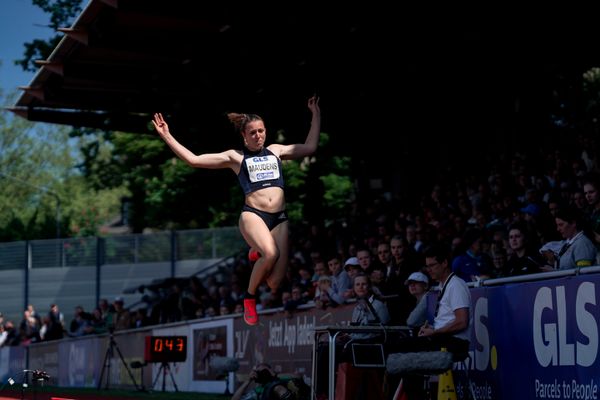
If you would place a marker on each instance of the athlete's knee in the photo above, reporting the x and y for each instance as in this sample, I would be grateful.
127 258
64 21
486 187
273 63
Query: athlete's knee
274 281
270 256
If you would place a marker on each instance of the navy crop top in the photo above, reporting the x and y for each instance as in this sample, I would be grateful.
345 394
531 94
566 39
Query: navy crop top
259 170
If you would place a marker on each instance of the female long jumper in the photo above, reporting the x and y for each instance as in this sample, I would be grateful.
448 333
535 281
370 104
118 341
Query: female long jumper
263 220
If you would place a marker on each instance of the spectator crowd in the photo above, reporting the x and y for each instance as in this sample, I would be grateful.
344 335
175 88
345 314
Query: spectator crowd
519 214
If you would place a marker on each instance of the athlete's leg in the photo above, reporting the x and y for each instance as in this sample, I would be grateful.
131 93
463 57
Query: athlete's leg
281 236
257 235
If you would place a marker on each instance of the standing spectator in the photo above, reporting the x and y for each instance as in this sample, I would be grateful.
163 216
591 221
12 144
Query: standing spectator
577 250
352 268
29 329
121 317
80 322
340 281
12 334
364 258
106 309
56 324
34 314
3 335
97 324
591 190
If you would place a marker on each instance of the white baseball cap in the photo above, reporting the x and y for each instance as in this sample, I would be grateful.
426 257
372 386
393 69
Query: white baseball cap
417 277
352 261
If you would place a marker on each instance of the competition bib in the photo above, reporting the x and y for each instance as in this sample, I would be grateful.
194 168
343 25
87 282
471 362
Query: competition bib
262 169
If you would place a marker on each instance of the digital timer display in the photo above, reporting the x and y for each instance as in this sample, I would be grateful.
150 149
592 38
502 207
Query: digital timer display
165 349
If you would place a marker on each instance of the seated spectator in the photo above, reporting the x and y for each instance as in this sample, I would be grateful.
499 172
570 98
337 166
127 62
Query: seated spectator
377 277
418 286
499 261
472 264
238 308
305 282
294 300
353 268
523 258
322 298
320 270
225 308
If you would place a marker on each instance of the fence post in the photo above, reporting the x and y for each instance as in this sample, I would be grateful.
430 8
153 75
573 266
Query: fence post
99 262
173 253
26 273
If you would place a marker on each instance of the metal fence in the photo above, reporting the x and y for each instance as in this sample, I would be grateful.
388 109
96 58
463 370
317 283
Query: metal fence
80 271
125 249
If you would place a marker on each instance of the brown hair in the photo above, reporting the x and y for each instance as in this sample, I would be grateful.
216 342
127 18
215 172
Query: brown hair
240 121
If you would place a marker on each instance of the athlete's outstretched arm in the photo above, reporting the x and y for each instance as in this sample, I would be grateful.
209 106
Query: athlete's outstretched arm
312 139
225 159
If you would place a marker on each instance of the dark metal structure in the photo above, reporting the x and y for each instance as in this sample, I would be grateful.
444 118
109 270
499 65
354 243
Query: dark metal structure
386 73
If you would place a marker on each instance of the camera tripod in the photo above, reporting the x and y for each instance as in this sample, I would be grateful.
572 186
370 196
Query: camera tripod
164 368
110 352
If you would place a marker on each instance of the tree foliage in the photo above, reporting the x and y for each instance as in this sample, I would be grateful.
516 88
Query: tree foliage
41 185
62 13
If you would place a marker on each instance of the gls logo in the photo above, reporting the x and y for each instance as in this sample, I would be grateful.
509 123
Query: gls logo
260 159
550 338
482 335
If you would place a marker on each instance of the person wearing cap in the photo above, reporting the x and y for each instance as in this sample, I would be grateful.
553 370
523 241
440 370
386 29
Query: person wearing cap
121 318
353 268
418 286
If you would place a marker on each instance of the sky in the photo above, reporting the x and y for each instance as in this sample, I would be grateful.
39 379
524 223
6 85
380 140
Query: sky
20 22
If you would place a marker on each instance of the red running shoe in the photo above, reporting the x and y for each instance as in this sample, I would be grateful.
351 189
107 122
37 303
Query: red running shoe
250 314
253 255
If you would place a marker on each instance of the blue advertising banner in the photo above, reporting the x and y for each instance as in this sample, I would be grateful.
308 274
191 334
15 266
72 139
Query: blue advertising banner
536 340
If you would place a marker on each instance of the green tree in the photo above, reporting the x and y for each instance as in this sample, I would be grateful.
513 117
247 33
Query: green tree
37 166
62 13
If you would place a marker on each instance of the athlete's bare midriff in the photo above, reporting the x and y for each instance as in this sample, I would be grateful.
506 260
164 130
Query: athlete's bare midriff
268 199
